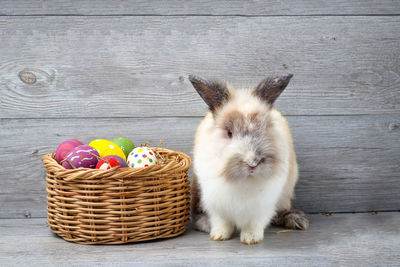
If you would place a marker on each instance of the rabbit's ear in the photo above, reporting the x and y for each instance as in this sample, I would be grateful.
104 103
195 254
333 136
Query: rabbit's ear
213 93
270 88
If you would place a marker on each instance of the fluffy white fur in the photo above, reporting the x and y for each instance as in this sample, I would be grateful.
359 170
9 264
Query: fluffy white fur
249 203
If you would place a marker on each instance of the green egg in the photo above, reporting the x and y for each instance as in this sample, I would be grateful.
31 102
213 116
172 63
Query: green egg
125 144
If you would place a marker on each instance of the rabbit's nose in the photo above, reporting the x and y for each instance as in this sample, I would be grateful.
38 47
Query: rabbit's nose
252 166
253 163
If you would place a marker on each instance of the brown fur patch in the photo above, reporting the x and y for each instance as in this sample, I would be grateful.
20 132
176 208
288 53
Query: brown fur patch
234 167
239 123
291 219
252 242
195 194
253 117
233 121
271 159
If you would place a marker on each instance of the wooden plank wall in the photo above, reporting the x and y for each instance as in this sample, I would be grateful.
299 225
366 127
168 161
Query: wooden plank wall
115 68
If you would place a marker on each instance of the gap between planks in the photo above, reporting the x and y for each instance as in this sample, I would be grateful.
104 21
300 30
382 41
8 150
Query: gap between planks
322 213
191 116
200 15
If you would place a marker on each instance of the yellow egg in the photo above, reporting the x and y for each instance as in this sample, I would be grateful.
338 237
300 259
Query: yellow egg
106 148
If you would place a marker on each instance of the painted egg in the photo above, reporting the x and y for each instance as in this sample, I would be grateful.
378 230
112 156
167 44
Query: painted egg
108 162
65 147
81 157
125 144
141 157
106 148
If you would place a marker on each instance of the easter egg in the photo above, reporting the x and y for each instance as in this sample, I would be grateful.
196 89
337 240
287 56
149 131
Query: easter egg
141 157
81 157
106 148
111 161
65 147
125 144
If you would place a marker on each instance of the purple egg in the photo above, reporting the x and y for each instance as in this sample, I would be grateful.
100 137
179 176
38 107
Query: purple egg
81 157
65 147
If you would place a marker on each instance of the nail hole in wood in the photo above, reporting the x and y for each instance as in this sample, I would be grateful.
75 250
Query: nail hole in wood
394 126
27 77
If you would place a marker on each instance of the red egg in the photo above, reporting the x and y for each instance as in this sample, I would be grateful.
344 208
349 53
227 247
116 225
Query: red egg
65 147
111 161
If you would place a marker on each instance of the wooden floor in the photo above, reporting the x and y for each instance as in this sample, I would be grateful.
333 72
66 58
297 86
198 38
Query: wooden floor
341 239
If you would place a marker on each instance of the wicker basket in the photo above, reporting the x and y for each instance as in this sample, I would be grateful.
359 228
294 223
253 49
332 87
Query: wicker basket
120 205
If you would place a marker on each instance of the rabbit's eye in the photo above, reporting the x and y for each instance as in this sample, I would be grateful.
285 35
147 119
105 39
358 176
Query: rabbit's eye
229 132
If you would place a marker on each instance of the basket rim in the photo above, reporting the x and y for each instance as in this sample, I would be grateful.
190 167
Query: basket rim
182 163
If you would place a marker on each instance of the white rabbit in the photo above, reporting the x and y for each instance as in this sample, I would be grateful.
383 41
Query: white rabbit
245 167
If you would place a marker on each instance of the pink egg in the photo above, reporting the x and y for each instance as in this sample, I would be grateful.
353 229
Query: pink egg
65 147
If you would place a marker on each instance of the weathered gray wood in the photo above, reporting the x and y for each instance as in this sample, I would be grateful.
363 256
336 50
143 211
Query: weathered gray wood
176 7
337 240
347 163
63 67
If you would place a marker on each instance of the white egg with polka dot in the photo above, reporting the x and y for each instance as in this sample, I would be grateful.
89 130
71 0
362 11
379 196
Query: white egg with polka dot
141 156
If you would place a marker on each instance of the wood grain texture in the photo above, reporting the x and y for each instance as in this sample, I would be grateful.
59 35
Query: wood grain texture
347 163
337 240
179 7
64 67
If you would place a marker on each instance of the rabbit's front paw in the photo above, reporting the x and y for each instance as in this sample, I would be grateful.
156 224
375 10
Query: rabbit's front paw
221 233
252 236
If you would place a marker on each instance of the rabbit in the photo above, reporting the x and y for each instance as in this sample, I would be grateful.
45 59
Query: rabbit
244 163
